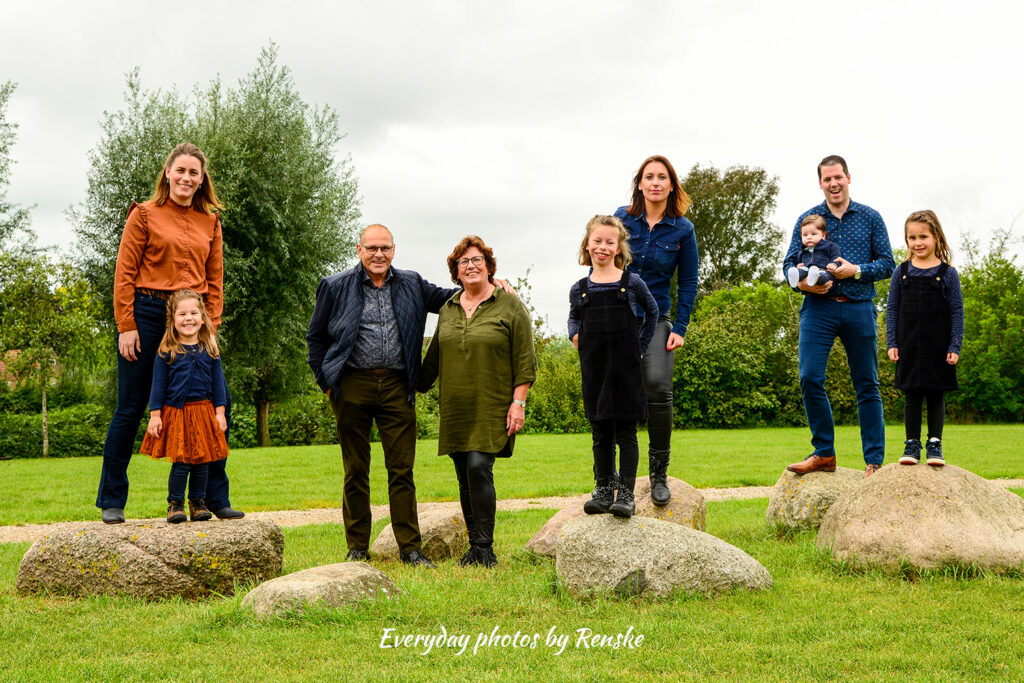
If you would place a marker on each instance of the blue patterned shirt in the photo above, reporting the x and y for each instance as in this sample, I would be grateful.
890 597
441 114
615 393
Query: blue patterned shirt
864 241
378 344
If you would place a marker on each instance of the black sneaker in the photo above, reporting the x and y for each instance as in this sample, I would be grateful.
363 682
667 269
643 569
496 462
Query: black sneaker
933 449
357 556
912 453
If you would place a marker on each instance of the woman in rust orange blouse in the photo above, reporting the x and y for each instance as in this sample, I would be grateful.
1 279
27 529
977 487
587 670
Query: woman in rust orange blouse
171 242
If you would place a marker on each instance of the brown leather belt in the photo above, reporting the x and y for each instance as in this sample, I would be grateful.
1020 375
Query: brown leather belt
155 293
841 298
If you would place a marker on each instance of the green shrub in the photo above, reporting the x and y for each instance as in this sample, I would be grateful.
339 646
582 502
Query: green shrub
555 403
76 431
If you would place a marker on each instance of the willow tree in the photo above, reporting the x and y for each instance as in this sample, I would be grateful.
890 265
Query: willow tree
289 217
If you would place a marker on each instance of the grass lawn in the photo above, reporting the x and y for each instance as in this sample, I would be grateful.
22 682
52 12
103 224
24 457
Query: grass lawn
543 465
818 622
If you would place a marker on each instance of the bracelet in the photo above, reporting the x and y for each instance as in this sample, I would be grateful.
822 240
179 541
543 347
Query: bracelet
517 402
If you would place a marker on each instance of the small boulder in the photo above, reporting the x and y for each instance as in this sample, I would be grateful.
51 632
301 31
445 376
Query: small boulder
687 508
643 556
927 517
444 536
152 560
333 585
799 501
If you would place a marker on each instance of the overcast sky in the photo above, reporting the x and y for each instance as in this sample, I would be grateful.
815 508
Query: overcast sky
519 120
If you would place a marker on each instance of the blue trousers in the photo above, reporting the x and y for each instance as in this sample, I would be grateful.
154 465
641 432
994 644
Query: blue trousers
134 379
854 322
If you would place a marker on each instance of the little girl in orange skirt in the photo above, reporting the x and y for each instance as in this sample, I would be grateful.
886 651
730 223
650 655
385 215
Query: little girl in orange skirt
186 405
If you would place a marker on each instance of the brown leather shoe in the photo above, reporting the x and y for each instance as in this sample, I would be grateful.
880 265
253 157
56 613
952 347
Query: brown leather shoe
871 469
814 463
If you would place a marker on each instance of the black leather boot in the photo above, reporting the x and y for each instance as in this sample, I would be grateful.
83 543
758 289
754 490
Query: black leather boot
601 498
624 505
660 493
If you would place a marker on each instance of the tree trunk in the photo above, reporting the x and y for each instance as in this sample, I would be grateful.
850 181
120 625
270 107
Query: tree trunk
262 420
46 426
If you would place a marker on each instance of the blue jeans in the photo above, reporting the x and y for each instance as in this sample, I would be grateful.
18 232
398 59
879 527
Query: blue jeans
854 322
134 379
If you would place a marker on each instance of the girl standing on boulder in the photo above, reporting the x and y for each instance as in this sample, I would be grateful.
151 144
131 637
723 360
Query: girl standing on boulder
924 332
604 309
186 404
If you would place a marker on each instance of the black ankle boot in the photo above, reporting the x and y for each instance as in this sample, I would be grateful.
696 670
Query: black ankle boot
624 505
601 498
660 493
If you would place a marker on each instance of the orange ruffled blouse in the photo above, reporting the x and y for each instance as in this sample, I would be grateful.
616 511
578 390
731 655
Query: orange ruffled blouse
168 247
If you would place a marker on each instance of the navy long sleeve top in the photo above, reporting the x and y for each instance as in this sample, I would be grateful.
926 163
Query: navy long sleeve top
193 376
950 291
644 306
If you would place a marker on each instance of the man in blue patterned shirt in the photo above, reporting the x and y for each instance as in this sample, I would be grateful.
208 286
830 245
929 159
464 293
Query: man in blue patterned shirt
845 309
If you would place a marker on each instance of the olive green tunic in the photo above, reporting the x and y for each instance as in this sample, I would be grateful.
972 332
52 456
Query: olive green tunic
478 362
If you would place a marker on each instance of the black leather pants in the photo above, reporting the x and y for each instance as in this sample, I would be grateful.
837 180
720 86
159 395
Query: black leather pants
475 471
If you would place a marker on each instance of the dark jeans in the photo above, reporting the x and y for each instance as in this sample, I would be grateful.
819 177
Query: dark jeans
134 379
606 434
475 472
362 397
913 400
821 321
195 475
658 365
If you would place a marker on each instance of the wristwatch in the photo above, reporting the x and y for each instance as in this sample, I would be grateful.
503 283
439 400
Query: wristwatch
517 402
856 276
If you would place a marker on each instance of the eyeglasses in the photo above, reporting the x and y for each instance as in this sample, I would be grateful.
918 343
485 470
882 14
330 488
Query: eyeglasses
475 260
374 250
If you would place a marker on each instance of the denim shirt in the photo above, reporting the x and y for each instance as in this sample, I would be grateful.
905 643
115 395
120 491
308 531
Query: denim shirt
658 254
192 376
864 241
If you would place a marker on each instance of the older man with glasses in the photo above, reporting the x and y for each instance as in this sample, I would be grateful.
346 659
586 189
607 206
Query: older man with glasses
365 341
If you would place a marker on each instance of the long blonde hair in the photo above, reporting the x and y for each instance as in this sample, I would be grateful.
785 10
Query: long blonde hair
928 217
623 258
171 345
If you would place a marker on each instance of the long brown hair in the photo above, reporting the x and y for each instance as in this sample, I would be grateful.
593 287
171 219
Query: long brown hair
928 217
171 343
623 258
678 200
205 198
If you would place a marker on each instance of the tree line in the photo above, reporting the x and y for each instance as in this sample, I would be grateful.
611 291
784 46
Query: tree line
291 215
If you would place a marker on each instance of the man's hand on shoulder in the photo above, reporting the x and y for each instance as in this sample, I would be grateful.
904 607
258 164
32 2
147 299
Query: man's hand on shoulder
844 270
505 286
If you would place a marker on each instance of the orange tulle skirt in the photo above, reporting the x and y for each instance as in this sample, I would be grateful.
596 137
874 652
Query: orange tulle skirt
190 434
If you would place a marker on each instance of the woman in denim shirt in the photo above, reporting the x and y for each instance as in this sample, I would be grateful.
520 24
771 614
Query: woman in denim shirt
663 243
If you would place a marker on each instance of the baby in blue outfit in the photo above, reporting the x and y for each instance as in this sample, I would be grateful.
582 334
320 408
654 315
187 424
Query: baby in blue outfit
818 255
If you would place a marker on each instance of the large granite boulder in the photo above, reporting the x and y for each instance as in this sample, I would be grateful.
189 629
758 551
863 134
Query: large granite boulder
444 536
152 560
643 556
928 518
799 501
333 585
687 508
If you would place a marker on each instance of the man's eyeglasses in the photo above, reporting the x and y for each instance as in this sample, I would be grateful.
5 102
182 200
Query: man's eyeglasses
475 260
374 250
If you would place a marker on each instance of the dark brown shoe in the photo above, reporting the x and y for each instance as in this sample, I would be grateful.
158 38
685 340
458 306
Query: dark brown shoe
814 463
198 512
176 512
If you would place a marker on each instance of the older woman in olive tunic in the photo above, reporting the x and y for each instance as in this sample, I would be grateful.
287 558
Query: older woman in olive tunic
482 355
